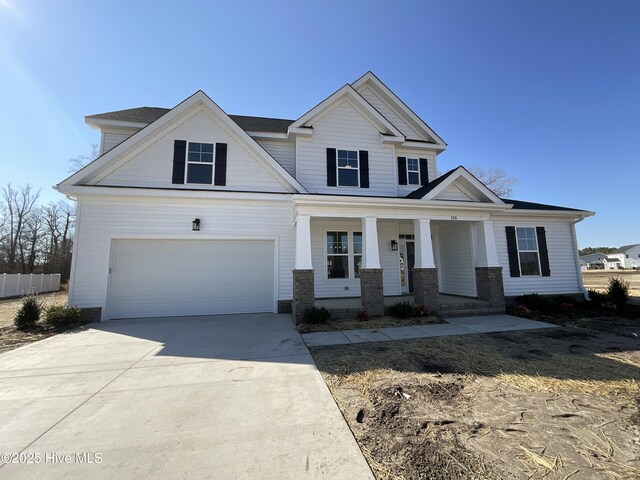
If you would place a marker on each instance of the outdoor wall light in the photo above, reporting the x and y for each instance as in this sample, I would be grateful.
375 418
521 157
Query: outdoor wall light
195 225
394 245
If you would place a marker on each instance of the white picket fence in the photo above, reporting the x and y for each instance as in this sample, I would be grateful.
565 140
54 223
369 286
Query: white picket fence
12 284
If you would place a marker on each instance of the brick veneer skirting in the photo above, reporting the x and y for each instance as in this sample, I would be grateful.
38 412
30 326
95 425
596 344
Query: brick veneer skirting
92 314
425 288
371 294
490 286
303 293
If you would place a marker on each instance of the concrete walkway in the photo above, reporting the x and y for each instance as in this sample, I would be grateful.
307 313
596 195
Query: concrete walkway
455 326
225 397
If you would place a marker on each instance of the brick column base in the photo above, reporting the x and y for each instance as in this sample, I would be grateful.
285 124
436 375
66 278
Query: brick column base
490 286
303 293
425 288
371 294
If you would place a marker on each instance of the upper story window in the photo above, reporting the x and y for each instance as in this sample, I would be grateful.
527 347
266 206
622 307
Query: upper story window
528 251
199 163
413 171
348 168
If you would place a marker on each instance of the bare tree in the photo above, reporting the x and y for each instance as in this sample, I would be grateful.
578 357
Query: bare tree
496 179
81 161
18 203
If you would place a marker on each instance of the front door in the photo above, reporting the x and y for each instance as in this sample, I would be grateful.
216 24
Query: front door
411 261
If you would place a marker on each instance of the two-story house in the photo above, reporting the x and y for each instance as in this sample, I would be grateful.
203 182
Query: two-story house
191 211
627 256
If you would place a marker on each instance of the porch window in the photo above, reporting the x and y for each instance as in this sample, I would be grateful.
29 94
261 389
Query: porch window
528 251
344 254
200 163
413 171
348 166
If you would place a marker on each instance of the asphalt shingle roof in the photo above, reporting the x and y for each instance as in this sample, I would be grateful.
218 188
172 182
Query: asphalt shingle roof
624 248
151 114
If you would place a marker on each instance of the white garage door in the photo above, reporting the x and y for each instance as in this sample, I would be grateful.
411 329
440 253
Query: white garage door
190 277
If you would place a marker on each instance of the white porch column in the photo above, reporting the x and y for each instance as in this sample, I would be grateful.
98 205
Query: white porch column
487 252
370 250
303 243
424 247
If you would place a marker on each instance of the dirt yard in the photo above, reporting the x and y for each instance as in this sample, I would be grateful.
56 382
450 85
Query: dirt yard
373 322
556 404
598 279
11 338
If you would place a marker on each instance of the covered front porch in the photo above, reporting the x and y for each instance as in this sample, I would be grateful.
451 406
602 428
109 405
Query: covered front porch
348 263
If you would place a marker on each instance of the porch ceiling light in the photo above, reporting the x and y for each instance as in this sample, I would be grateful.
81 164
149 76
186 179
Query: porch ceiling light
394 245
195 225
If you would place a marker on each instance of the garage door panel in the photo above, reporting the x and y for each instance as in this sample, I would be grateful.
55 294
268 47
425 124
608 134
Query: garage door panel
191 277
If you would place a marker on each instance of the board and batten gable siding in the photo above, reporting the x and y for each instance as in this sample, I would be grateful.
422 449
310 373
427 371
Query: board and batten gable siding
104 219
284 151
397 121
452 192
335 287
562 261
153 167
344 127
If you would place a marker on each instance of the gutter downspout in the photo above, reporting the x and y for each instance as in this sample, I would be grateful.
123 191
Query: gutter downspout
585 292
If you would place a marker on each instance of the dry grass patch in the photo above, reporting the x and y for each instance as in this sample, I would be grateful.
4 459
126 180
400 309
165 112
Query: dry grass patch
373 322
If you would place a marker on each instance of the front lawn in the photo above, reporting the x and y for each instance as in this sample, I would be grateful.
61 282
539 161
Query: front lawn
555 403
373 322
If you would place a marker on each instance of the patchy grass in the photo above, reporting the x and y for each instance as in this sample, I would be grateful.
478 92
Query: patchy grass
557 404
373 322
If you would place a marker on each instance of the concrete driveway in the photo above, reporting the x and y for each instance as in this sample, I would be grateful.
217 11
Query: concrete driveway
225 397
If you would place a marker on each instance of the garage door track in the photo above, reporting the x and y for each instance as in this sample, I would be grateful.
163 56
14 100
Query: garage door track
223 397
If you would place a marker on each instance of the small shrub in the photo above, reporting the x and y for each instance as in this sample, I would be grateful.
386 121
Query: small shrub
29 313
521 311
534 301
422 311
401 310
618 291
62 316
609 306
568 308
316 315
597 298
362 315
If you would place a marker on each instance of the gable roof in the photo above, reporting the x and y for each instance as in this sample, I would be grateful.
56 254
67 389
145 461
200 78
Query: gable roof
432 189
118 155
392 98
596 256
347 91
151 114
625 248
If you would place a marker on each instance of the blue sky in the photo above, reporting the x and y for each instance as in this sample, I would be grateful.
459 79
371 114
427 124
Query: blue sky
547 90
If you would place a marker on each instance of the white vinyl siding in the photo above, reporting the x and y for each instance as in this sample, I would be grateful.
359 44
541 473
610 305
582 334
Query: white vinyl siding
390 114
284 151
562 262
163 278
100 220
452 192
344 128
153 167
110 140
456 264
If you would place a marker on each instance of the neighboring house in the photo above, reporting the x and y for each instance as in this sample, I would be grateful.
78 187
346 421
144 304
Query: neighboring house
584 266
594 261
628 256
191 211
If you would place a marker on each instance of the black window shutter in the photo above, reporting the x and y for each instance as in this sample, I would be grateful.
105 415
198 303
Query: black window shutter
331 167
364 169
179 158
402 170
424 171
220 173
512 248
544 253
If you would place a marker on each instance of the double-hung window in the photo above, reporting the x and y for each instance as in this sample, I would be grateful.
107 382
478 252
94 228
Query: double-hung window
528 254
413 171
344 254
348 168
200 163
